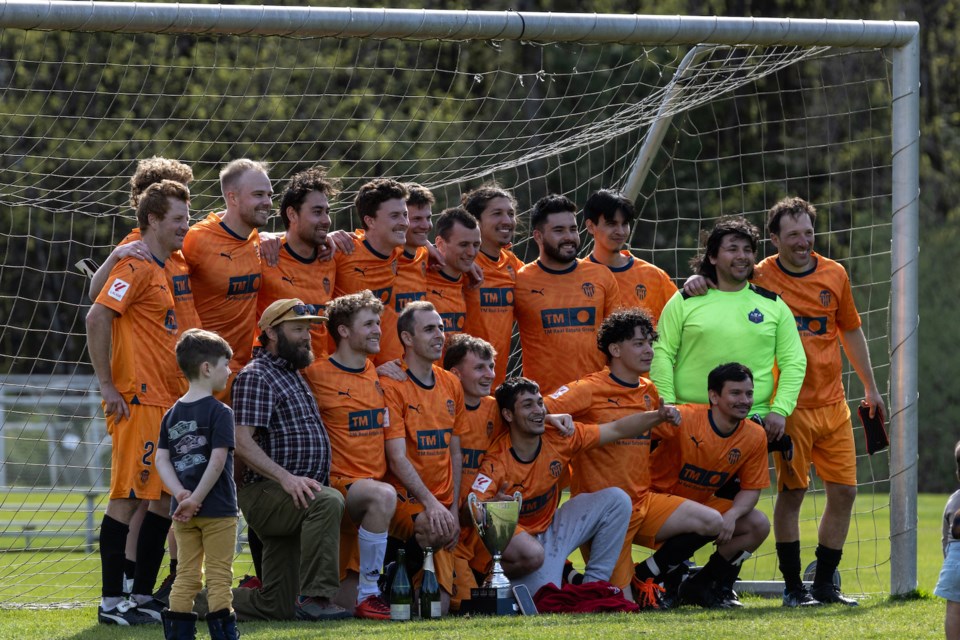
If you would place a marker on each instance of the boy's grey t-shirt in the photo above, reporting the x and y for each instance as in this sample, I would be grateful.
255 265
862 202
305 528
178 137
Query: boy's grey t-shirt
191 431
953 504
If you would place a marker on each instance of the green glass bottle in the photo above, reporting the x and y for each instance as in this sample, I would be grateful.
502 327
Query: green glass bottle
401 593
429 589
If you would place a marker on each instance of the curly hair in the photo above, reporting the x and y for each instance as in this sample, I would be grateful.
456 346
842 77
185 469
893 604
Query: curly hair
301 184
155 200
341 311
621 325
153 170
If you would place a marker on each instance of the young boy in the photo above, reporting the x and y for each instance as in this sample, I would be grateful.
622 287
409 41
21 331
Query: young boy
195 461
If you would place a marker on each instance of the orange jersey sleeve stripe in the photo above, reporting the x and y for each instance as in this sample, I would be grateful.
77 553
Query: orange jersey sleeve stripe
427 417
822 305
354 412
558 314
694 459
225 276
144 334
599 398
490 307
308 279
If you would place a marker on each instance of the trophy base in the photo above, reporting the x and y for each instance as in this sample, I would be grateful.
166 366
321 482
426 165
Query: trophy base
490 601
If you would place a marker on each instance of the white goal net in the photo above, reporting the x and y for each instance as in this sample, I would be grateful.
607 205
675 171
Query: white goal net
742 127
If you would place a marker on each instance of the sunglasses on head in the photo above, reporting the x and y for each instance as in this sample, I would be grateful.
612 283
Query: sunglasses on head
301 309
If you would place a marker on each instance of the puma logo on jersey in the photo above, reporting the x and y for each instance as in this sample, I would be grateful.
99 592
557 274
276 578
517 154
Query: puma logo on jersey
345 393
415 408
696 442
362 272
286 279
434 292
614 401
538 291
227 256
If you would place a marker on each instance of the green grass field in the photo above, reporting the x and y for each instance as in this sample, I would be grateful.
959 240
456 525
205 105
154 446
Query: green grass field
48 574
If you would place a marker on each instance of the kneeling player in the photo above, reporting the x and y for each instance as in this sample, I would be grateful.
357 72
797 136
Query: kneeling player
353 410
715 447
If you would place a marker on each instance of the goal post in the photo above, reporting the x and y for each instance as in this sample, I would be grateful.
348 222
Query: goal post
541 102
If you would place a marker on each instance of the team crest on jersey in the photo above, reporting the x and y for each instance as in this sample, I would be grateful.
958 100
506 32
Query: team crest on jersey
118 289
326 285
423 268
559 392
825 297
511 272
641 292
481 483
451 407
378 387
755 316
588 289
733 456
556 468
393 267
144 476
489 428
647 401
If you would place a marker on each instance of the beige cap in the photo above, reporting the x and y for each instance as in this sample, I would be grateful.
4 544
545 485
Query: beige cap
287 310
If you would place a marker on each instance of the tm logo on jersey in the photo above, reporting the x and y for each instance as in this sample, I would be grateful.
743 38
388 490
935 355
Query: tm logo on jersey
555 320
403 299
471 457
453 322
496 297
243 286
534 504
365 420
755 316
434 439
383 295
703 478
181 286
811 326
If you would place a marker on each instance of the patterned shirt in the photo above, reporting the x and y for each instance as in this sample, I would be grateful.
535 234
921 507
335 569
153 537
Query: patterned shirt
273 397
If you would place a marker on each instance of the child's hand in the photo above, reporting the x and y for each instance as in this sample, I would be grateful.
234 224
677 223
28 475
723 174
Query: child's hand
186 509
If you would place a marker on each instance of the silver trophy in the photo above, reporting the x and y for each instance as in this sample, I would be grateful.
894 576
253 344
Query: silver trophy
496 523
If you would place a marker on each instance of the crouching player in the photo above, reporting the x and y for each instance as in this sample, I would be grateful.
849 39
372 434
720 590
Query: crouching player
195 460
354 411
530 460
716 453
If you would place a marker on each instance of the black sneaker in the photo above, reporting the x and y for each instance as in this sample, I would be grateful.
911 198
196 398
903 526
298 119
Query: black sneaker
830 594
163 592
728 597
799 597
701 595
125 614
152 608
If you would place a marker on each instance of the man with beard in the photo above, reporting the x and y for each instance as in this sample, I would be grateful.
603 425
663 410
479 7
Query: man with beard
608 216
737 321
560 300
223 252
718 457
131 332
286 495
458 240
490 306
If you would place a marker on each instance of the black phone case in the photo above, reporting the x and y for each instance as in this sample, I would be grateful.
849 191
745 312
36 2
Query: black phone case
874 432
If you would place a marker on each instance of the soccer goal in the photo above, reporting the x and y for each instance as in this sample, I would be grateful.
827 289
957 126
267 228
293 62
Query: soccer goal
693 117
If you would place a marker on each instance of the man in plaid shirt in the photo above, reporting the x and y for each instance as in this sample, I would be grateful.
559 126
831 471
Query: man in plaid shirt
285 495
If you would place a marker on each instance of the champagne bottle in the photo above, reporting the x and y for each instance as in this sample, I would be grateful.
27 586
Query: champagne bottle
401 593
429 589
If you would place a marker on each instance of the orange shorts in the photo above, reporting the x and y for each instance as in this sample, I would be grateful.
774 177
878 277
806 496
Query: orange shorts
659 508
469 556
133 473
349 544
401 527
823 437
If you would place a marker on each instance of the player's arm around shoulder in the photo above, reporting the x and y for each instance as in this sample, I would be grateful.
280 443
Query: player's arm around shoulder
639 423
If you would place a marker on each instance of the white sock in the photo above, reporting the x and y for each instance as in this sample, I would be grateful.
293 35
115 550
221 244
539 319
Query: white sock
652 565
109 603
373 546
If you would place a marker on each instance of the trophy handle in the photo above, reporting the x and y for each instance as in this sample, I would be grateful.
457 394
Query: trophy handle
518 498
476 512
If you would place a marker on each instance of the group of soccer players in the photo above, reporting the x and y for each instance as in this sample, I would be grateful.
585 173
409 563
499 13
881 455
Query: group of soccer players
410 377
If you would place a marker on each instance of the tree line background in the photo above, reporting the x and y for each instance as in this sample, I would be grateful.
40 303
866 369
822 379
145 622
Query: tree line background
73 139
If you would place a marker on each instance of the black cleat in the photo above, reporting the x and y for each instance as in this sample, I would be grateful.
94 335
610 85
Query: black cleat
701 595
830 594
728 597
799 598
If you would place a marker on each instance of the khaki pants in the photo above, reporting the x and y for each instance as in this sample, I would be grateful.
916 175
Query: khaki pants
209 542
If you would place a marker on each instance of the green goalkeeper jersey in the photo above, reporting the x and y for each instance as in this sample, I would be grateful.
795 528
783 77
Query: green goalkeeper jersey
752 326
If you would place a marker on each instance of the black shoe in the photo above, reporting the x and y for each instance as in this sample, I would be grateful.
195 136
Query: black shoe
163 591
830 594
728 597
702 595
153 608
125 614
799 597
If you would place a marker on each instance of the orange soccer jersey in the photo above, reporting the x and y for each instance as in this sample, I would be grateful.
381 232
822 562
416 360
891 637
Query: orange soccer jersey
446 294
178 273
600 398
225 277
353 409
693 460
558 313
411 282
822 304
144 336
642 285
366 268
308 279
481 425
536 480
427 417
490 306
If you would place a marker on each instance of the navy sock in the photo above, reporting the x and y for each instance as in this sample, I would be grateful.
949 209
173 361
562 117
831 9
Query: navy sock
827 562
113 539
788 554
150 547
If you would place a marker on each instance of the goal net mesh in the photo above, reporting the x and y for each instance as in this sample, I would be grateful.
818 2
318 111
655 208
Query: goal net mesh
747 126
